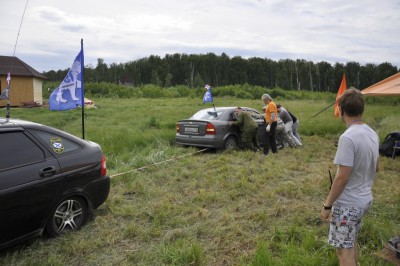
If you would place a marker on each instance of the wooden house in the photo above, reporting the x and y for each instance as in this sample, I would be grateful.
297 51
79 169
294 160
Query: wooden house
25 84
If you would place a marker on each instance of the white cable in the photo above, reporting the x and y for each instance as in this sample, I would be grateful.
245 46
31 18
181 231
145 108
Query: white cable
146 166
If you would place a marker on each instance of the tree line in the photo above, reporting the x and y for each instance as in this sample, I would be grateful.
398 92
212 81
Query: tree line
196 70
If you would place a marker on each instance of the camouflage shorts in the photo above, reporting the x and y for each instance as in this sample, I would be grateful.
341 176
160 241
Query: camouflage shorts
345 224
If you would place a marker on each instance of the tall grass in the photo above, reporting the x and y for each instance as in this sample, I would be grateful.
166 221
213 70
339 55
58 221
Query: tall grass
211 208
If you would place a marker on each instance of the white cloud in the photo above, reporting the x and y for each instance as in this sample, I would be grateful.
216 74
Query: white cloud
333 31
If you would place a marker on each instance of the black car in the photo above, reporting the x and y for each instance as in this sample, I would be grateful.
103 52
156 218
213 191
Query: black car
50 181
210 128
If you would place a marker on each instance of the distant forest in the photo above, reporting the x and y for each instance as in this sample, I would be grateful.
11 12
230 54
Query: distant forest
196 70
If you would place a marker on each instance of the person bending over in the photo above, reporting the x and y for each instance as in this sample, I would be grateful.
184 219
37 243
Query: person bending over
248 129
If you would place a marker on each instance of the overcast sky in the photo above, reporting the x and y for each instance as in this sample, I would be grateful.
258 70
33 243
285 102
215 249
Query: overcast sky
119 31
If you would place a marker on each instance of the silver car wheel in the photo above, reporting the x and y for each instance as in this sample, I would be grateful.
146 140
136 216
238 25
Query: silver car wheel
230 143
69 216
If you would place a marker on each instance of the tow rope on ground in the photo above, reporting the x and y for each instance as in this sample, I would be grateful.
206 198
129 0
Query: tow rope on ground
149 165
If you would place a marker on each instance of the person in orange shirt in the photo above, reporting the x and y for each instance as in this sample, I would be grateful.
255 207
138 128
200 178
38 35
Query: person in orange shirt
271 117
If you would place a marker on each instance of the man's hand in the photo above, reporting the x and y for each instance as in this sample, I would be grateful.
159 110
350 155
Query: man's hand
325 215
268 128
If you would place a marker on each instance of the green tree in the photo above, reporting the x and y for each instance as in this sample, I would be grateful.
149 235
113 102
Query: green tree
191 70
154 78
168 79
198 81
101 70
353 74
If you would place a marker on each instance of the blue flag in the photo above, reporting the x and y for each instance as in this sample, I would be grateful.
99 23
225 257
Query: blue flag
4 94
207 98
70 94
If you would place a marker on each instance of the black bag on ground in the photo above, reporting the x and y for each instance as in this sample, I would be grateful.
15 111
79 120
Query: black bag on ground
386 148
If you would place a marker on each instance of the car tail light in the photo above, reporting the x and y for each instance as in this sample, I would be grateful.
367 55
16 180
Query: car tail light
103 166
210 129
177 127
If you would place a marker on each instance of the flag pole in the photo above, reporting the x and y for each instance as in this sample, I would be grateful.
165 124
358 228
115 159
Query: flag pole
342 89
82 91
8 108
322 110
8 97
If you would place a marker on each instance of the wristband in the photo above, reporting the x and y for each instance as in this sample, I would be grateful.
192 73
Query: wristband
327 207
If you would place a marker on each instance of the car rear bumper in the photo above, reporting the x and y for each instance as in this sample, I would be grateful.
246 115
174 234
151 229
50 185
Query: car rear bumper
99 190
207 141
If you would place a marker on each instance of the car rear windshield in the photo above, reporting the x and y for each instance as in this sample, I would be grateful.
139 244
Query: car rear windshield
208 114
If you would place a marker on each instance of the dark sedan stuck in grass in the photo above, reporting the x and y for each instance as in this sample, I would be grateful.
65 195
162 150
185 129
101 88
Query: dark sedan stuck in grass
50 181
210 128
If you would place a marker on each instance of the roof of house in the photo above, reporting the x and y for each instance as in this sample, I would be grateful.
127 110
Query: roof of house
17 68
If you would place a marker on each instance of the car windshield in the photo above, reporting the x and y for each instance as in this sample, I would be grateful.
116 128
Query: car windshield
208 114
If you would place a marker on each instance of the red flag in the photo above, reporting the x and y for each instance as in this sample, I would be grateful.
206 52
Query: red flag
342 88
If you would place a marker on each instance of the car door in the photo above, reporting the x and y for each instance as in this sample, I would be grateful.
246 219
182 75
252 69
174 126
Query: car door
29 181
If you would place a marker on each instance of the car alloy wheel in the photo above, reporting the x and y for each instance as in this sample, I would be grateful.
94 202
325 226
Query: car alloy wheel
70 215
230 143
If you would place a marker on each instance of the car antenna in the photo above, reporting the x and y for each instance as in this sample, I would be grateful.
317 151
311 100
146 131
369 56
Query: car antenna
6 93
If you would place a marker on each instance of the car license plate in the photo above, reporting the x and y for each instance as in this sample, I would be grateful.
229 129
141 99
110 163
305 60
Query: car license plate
191 129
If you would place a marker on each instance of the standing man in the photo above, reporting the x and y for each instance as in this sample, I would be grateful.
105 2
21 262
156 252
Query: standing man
248 129
271 115
350 196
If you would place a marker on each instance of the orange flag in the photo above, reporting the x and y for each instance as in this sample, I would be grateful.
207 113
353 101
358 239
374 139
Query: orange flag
342 88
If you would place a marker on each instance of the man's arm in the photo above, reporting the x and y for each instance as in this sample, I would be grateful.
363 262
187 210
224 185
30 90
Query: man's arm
272 117
239 120
339 183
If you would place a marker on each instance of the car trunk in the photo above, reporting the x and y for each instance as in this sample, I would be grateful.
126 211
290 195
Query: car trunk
192 127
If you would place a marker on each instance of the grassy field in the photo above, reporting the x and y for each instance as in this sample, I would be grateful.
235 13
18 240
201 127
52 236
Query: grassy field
171 205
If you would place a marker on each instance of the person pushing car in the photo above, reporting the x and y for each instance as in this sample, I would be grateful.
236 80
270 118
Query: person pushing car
248 129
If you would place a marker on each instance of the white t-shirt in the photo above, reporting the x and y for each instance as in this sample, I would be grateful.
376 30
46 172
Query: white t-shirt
358 148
